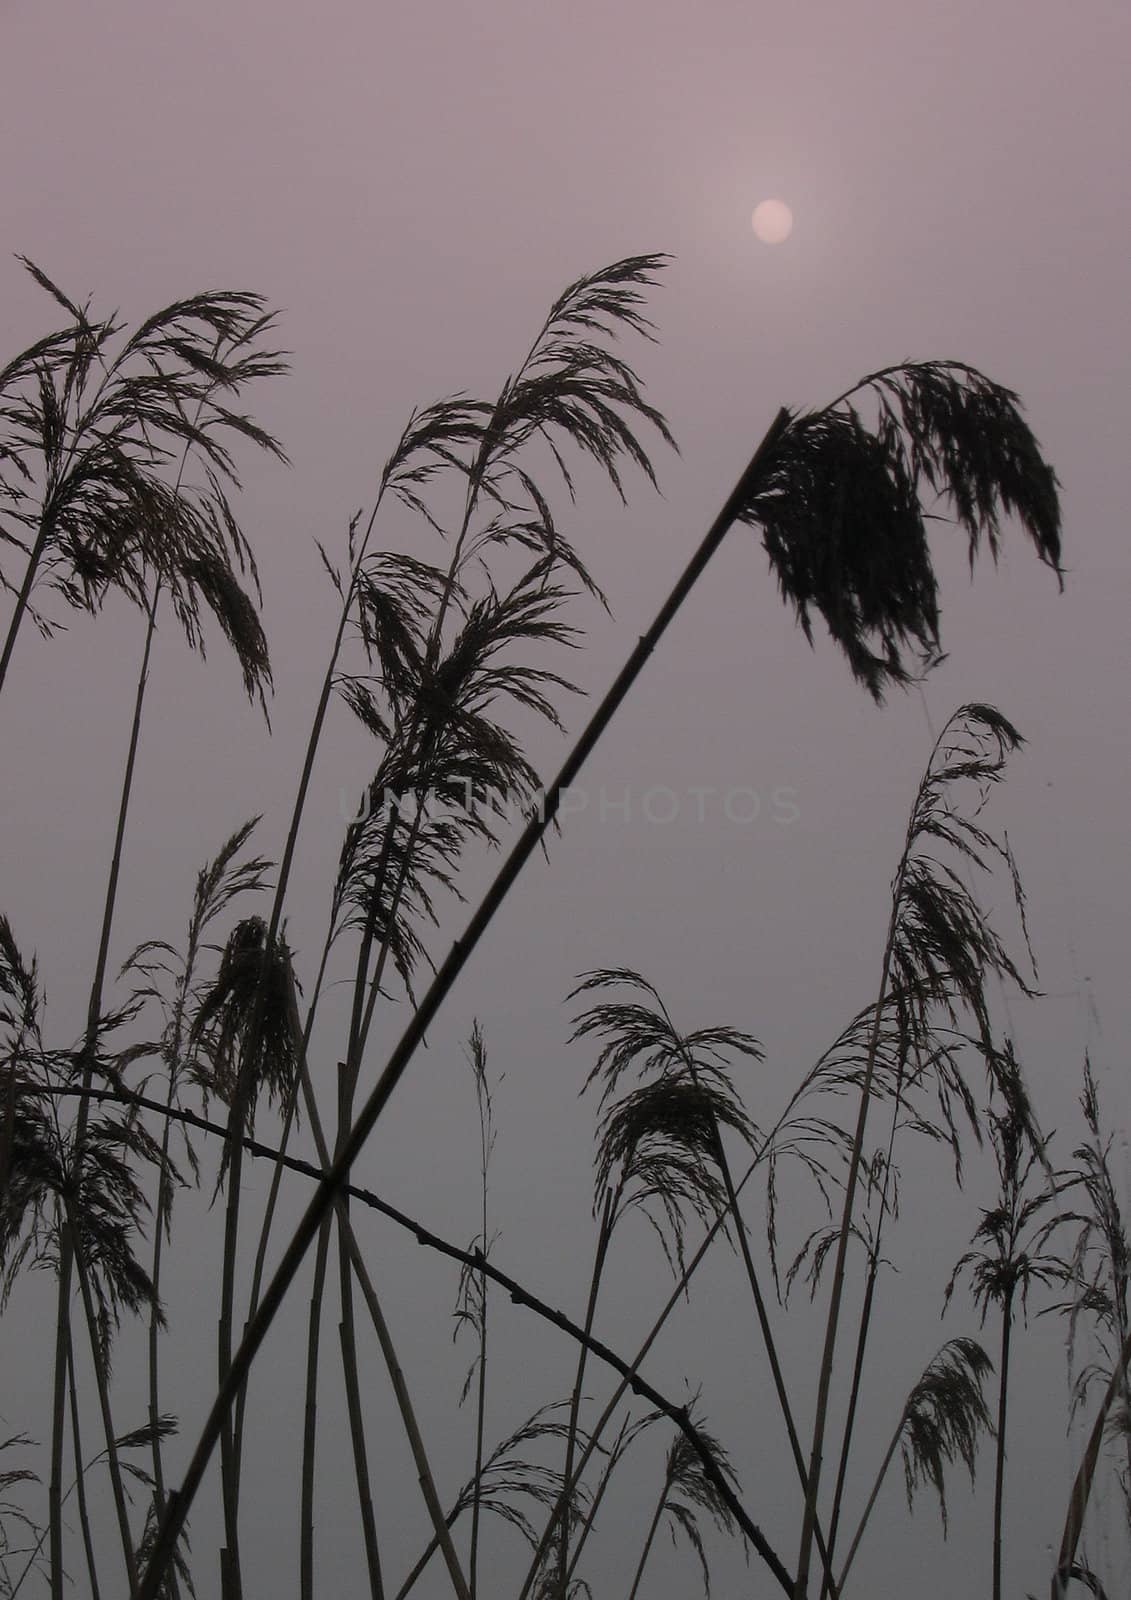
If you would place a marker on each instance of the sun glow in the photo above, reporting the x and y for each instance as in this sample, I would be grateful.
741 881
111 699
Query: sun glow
772 221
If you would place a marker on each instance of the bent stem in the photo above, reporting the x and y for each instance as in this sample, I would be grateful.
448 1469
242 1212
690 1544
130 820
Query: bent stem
628 1374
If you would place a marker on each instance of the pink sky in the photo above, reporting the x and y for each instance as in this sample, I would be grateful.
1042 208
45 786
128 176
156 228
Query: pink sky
412 185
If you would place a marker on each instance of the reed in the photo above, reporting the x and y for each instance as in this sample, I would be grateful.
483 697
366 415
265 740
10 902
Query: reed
197 1061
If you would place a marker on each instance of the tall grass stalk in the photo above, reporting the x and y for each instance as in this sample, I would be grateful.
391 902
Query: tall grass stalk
574 398
600 1255
1082 1483
666 1137
959 413
352 1379
865 1324
825 1373
1002 1274
473 1307
1099 1274
429 1005
219 884
764 1326
102 1388
185 549
941 1422
80 1478
625 1436
685 1492
67 1242
650 1536
940 949
840 513
630 1374
356 1260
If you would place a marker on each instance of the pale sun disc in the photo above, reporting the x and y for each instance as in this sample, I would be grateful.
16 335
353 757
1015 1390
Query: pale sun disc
772 221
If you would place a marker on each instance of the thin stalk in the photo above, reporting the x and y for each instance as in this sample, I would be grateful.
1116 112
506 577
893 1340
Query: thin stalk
314 1324
408 1418
652 1530
347 1335
449 971
361 1013
272 1201
829 1352
164 1190
349 1351
164 1203
629 1379
274 922
594 1506
365 992
8 1134
94 1010
361 1459
103 1391
73 1488
486 1140
228 1489
865 1326
857 1377
23 599
58 1423
823 1549
999 1464
276 1177
352 1383
480 1424
80 1484
310 1417
767 1332
394 904
867 1512
424 1558
1085 1475
603 1236
520 1295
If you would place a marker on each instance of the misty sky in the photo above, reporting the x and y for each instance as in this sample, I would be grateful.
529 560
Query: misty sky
411 186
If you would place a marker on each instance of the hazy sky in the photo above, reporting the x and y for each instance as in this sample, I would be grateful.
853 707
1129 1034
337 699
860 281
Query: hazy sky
411 186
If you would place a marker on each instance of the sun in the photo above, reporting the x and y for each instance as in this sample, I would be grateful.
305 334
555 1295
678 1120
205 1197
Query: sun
772 221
